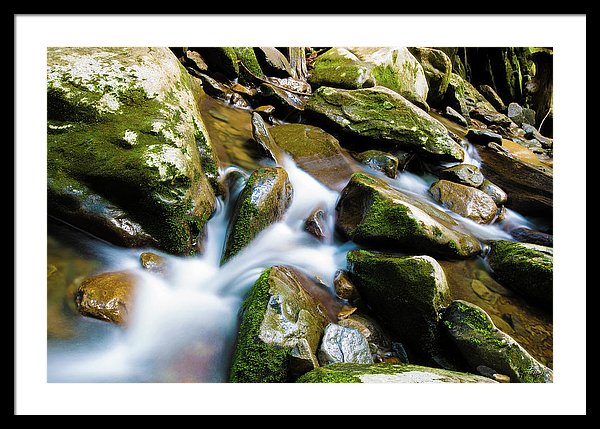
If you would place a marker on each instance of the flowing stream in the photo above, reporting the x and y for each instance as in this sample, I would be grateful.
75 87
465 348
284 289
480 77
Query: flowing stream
184 325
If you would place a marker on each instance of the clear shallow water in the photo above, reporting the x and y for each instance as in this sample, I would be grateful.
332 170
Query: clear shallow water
184 324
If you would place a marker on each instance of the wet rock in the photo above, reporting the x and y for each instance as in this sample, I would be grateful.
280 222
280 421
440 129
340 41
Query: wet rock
381 114
380 344
494 191
528 185
247 60
438 68
284 96
491 117
465 200
263 201
528 235
483 137
465 174
387 373
107 296
343 344
315 224
406 292
491 96
474 99
382 161
316 152
340 68
344 288
397 69
532 133
372 213
262 135
280 329
273 61
133 162
222 59
218 90
153 262
453 115
523 267
481 343
455 96
520 115
483 292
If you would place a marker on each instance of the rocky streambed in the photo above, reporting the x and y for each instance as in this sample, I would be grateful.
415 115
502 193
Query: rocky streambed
299 215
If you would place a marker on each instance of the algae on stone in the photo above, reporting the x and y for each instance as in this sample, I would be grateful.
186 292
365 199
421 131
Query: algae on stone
383 115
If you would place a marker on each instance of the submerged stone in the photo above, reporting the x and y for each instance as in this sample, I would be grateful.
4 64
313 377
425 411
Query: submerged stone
525 268
482 343
371 212
385 116
263 201
107 296
407 292
133 162
280 329
387 373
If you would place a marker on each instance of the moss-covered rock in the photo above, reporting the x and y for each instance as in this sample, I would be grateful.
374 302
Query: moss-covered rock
343 344
387 373
438 68
248 61
494 191
407 292
263 201
455 96
316 152
107 296
129 158
523 267
465 200
465 174
382 114
482 343
382 161
280 330
371 212
340 68
397 69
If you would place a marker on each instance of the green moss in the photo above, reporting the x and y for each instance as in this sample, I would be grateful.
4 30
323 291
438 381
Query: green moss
247 57
333 69
253 360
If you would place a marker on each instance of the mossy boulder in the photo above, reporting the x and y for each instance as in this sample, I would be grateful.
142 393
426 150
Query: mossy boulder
107 296
387 373
372 213
343 344
280 329
455 96
383 115
406 292
263 201
465 200
482 343
316 152
494 191
397 69
382 161
438 68
129 158
247 60
465 174
340 68
523 267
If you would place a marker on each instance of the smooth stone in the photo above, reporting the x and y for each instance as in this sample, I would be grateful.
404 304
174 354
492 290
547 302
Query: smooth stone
343 344
465 200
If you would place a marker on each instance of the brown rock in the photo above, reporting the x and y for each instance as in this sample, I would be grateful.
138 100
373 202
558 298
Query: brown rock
344 287
465 200
107 296
315 224
153 262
